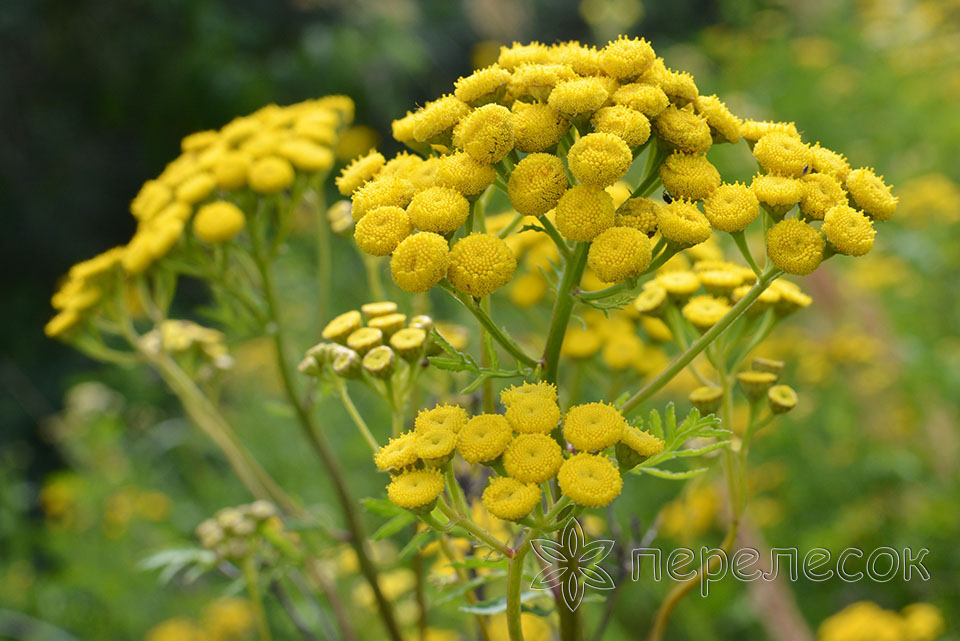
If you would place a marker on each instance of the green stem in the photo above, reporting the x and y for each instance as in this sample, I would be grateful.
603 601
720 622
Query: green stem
701 343
554 512
324 258
631 283
478 532
741 240
251 577
757 336
562 308
558 240
498 334
355 416
506 231
514 588
454 489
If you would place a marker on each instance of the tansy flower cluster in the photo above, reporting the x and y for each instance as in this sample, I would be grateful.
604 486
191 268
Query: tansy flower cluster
528 445
207 195
246 530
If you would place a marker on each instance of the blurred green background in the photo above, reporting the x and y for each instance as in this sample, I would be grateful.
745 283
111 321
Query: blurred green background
96 97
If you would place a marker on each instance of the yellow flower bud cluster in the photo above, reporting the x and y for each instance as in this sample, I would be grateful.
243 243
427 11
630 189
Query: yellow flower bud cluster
197 196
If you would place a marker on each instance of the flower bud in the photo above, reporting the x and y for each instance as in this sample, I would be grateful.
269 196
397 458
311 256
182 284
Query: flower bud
651 301
379 362
389 324
340 218
408 343
364 339
209 534
767 365
342 326
423 322
262 510
755 384
706 399
382 308
781 398
346 363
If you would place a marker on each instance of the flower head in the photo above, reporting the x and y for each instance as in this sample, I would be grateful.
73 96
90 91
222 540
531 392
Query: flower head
626 57
732 207
420 261
820 193
218 222
599 159
827 161
537 183
871 194
448 417
723 124
648 99
753 130
307 156
510 499
643 443
848 231
485 133
795 247
399 453
480 264
383 191
540 389
537 126
517 54
342 326
462 172
782 154
589 479
533 458
415 488
684 129
359 171
438 117
689 176
777 191
619 253
533 413
583 212
639 213
679 284
379 232
705 311
434 443
629 124
482 85
578 96
682 223
484 438
438 209
593 426
270 174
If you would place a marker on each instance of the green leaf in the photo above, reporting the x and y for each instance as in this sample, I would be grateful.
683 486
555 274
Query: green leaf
671 476
393 526
449 364
702 450
475 562
461 589
495 606
655 425
381 507
671 416
418 541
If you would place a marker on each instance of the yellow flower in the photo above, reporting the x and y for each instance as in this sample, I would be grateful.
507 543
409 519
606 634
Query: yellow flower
177 629
359 171
777 191
619 253
781 399
722 123
438 209
753 130
528 289
580 343
379 232
848 231
381 192
679 283
231 169
480 264
871 194
599 159
532 413
434 442
484 438
415 488
482 85
622 351
721 282
536 184
583 212
448 417
629 124
307 156
270 174
218 222
783 154
517 54
342 326
534 627
584 60
820 193
196 188
648 99
509 499
593 426
540 389
923 622
590 480
152 197
681 223
438 117
389 324
795 247
827 161
538 80
408 342
420 261
229 618
705 311
578 96
402 165
485 133
626 57
402 129
732 207
643 443
461 172
679 87
652 299
364 339
689 176
199 140
683 129
62 323
533 458
537 126
639 213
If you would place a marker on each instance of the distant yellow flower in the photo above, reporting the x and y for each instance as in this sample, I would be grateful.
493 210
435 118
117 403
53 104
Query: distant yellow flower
639 213
599 159
629 124
590 480
359 171
270 174
537 126
540 389
783 154
485 133
622 351
580 343
484 438
583 212
795 247
415 488
923 622
380 231
683 129
448 417
652 299
177 629
530 414
579 96
482 85
385 191
721 282
871 194
62 323
781 399
790 296
648 99
820 193
461 172
534 627
593 426
705 311
679 283
196 188
682 223
438 209
528 289
438 117
732 207
537 183
532 458
218 222
626 57
307 156
509 499
848 231
721 121
228 619
689 176
480 264
231 169
619 253
420 261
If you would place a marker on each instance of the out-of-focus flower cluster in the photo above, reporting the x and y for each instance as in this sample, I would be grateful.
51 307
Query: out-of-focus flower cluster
866 620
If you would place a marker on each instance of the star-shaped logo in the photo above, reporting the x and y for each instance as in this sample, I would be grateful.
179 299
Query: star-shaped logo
572 564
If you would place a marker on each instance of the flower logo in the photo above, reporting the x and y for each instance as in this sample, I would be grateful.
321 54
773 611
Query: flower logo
572 564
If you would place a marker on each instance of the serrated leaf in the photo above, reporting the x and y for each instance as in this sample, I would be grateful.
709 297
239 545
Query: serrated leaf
449 364
655 425
671 476
702 450
444 344
393 526
671 421
713 431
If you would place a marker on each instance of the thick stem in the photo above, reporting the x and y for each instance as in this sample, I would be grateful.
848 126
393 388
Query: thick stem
514 588
251 577
562 308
